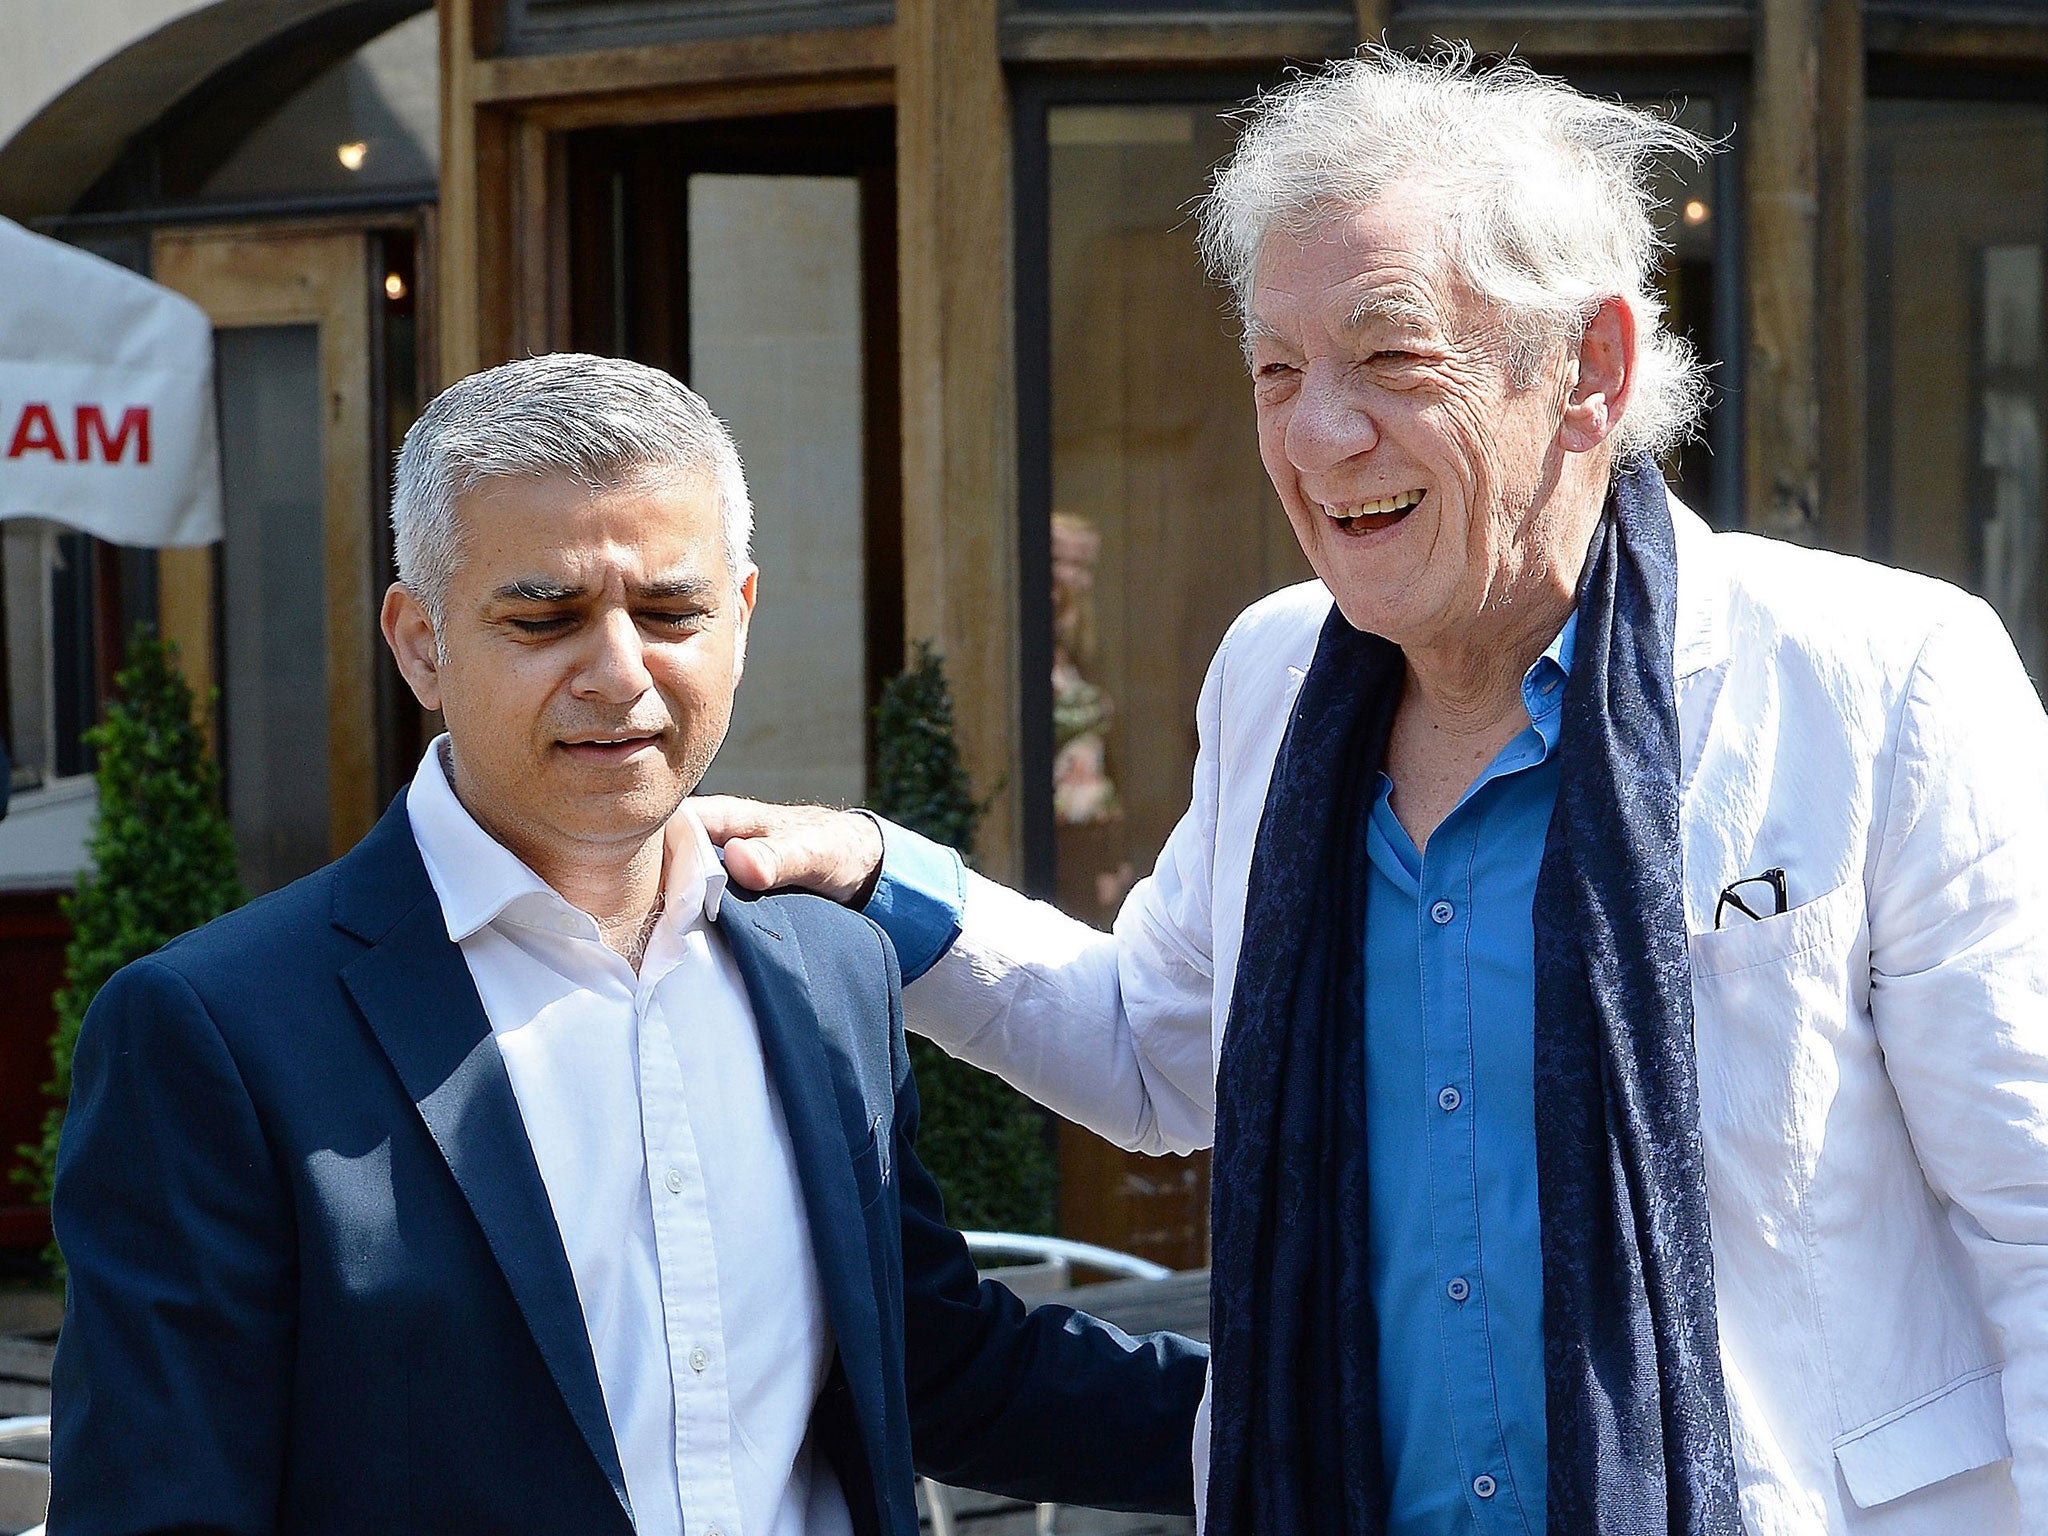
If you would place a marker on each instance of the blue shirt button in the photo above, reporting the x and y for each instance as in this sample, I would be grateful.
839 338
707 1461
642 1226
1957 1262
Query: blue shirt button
1485 1486
1458 1289
1442 913
1450 1099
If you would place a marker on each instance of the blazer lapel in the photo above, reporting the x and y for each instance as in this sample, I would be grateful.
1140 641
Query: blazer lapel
792 1043
416 993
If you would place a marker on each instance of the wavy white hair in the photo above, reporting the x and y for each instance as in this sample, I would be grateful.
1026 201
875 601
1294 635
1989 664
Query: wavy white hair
1548 191
600 420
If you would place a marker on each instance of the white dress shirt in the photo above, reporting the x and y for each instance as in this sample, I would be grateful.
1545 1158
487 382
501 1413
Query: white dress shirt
668 1163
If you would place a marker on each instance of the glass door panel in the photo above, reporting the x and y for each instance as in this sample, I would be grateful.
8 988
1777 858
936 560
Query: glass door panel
273 718
775 347
1958 223
1163 528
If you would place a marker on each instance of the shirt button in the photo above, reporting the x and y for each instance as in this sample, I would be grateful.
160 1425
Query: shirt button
674 1181
1485 1486
1442 913
1458 1289
1449 1099
700 1359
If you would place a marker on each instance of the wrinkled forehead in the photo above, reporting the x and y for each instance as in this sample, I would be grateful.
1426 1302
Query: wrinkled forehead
1387 265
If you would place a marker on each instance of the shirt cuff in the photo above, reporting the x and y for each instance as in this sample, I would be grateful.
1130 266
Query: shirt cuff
920 898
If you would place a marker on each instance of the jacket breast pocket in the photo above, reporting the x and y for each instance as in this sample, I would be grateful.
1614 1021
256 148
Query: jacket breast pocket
1772 1002
1744 945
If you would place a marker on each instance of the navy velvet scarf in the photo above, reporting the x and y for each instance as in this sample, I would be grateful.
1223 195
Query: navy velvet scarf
1636 1414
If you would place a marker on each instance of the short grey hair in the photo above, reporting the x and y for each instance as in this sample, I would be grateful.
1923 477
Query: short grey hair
1551 206
603 421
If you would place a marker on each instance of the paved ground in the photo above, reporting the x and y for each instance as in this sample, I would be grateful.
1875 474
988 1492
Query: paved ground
979 1515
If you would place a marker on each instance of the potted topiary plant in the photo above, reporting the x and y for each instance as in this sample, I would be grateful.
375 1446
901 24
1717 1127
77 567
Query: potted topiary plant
984 1142
163 857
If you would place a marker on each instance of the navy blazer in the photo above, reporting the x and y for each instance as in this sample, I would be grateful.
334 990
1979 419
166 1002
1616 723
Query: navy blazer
316 1284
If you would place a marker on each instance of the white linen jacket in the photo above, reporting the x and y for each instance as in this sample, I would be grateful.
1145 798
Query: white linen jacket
1873 1063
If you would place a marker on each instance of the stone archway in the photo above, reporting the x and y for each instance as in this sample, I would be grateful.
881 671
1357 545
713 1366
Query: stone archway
136 63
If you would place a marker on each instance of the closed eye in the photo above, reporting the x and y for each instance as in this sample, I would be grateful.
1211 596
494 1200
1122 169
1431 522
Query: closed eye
663 619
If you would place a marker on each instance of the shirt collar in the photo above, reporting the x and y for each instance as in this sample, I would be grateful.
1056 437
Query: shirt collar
1543 683
477 878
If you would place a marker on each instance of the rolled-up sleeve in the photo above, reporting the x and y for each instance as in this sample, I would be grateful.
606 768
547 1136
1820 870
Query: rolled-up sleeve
919 899
1111 1030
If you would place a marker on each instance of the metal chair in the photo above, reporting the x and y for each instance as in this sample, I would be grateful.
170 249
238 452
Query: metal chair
24 1471
1040 1266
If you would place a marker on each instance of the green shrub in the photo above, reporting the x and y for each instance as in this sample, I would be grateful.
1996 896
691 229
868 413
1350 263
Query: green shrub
163 858
984 1142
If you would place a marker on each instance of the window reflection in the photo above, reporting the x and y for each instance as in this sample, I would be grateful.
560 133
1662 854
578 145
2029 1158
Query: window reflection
1163 527
1954 280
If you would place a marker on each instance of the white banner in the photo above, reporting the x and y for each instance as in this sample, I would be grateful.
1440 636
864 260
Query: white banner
106 398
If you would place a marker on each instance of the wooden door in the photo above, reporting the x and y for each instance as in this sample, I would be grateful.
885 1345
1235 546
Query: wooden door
310 290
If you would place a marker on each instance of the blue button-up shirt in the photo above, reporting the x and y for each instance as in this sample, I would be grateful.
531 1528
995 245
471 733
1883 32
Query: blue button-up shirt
1450 1081
1450 1013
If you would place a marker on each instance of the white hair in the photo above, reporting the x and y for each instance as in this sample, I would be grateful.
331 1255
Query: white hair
1549 202
602 421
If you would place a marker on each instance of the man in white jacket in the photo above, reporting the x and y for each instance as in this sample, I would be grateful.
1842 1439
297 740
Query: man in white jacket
1672 905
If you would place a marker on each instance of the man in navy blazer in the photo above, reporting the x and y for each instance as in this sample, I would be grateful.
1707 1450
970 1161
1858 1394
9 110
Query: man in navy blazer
421 1195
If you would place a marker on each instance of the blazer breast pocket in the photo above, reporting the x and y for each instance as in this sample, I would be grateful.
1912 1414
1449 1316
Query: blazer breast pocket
1771 1003
1744 945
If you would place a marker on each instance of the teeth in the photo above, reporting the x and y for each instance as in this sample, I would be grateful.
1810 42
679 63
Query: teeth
1377 508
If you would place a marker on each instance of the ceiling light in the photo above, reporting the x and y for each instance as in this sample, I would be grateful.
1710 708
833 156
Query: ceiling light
1697 212
352 154
394 286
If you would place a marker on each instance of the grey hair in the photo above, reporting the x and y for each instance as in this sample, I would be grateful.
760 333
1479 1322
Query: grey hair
1548 191
603 421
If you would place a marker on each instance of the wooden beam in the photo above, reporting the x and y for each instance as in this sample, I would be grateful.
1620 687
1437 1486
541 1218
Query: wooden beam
1580 32
1842 325
2008 42
659 66
184 616
494 272
540 203
956 283
1780 386
723 99
458 320
1177 44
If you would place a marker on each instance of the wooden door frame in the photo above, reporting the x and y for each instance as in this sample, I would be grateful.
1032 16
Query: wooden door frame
940 65
504 192
256 274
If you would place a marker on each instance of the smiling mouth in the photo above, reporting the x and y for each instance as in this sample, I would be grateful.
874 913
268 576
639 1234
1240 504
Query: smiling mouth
1368 517
608 749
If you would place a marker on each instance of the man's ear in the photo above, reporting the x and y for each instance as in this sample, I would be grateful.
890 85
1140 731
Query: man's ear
1603 377
743 618
410 634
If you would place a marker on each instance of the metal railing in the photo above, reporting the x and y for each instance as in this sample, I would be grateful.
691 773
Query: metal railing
1053 1260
